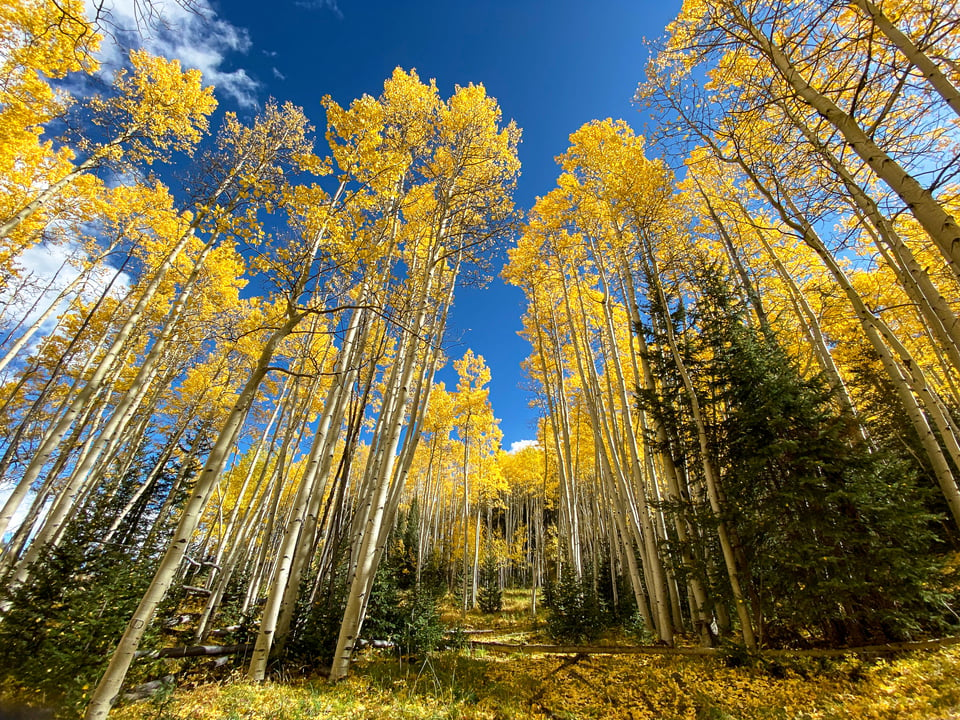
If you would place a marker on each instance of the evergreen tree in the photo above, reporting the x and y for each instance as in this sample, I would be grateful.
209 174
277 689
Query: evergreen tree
490 595
834 536
58 628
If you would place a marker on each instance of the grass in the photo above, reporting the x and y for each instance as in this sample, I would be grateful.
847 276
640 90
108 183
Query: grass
474 685
458 685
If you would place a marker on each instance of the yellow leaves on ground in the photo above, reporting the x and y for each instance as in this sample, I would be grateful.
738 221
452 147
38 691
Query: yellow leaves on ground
916 687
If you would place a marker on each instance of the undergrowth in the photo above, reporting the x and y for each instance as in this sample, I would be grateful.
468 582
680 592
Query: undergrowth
482 685
451 684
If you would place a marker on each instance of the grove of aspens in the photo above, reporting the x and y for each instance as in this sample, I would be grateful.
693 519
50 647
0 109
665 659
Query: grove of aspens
227 460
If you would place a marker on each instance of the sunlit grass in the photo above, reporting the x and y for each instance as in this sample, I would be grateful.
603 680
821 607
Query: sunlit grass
468 685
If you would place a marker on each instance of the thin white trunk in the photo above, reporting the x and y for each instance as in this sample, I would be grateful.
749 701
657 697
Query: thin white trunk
110 683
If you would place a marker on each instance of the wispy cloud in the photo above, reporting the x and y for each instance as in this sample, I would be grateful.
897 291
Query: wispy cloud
279 75
189 31
330 5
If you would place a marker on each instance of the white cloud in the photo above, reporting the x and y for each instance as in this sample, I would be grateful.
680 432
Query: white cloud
521 445
279 75
188 30
45 271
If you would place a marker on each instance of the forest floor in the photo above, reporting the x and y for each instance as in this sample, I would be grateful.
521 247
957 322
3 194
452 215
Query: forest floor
479 684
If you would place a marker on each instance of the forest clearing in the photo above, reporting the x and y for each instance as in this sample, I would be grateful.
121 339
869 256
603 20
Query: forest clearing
249 450
476 684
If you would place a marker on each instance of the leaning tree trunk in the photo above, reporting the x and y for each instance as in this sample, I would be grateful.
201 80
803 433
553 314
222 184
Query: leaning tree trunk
946 89
109 686
940 225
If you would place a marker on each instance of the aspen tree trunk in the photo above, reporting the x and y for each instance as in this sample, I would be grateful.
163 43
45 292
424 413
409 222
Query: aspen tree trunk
941 372
286 579
662 531
285 399
880 336
709 472
148 366
465 521
931 305
55 433
75 338
110 683
808 318
335 508
122 454
749 287
270 557
612 466
241 550
429 502
938 223
624 494
933 75
42 501
47 194
91 418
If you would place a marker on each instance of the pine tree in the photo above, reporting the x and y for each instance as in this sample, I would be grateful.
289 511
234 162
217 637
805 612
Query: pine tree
834 535
490 596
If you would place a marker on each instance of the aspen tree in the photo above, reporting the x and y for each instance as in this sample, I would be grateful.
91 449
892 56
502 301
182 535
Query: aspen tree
260 151
764 33
291 308
458 203
148 124
31 57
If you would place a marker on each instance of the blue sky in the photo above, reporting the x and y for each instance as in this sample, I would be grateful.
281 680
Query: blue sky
552 65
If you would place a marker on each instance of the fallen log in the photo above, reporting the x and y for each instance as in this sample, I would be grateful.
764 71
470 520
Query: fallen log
886 649
141 692
198 590
220 632
592 649
194 651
